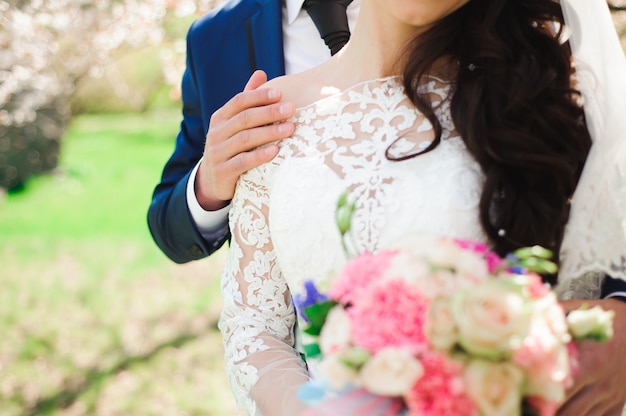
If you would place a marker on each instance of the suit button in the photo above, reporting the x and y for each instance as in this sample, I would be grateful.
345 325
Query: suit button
196 251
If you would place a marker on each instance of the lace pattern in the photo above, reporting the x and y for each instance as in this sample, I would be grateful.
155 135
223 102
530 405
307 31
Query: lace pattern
283 227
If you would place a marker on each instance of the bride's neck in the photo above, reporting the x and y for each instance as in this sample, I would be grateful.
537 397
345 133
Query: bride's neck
375 49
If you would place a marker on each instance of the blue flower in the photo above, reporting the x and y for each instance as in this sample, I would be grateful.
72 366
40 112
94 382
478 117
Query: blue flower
312 297
313 391
518 270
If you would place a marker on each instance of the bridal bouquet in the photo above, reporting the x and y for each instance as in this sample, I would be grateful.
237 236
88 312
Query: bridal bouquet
439 326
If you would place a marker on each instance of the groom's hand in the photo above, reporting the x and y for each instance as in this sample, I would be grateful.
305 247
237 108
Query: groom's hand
235 142
599 388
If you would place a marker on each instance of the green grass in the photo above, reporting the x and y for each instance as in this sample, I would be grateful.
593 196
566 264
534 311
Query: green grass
95 320
109 166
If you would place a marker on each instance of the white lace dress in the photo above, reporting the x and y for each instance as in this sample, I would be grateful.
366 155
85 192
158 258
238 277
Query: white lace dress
283 225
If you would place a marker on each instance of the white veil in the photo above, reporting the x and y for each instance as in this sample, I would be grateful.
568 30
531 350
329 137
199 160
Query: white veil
595 238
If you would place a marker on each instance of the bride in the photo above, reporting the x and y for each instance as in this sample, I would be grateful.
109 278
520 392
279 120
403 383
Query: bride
451 117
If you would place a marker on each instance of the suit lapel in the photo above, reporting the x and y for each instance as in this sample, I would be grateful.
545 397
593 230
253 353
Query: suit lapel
265 38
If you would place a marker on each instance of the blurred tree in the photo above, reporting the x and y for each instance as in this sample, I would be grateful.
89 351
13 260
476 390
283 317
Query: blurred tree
47 47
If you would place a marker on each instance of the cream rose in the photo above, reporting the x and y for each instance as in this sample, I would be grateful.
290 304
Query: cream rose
495 387
391 372
471 268
440 327
594 323
492 318
444 253
336 332
338 374
408 267
545 361
548 378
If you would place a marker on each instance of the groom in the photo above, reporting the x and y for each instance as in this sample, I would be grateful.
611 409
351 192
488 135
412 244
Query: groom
220 137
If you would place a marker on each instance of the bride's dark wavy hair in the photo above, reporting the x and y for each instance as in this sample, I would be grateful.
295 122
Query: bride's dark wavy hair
513 103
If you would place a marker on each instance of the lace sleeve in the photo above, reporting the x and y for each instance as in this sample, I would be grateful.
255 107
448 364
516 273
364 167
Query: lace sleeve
257 320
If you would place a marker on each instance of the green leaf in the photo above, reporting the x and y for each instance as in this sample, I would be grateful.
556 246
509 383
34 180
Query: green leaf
539 265
317 314
312 350
343 199
355 357
344 219
534 251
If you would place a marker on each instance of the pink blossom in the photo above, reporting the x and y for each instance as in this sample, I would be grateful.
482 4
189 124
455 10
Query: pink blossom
492 259
476 247
544 359
536 287
358 274
389 313
441 390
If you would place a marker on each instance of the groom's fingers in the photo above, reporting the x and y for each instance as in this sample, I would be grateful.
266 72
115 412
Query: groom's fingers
235 141
257 79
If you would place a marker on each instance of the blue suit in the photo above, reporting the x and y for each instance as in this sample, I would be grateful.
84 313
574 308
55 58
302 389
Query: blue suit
223 49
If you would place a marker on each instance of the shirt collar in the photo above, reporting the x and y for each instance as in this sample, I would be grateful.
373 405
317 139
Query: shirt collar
293 9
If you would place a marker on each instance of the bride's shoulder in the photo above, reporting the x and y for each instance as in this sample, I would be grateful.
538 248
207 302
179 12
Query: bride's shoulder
300 89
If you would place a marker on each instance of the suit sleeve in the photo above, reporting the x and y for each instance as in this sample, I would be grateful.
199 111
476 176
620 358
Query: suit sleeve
169 219
613 288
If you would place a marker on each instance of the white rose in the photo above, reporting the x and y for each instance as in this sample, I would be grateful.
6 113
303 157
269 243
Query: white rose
471 268
492 318
441 282
495 387
594 323
443 253
549 379
440 327
336 334
545 361
549 312
338 374
391 372
408 267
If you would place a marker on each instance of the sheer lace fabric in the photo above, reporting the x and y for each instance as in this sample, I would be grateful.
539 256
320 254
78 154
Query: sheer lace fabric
595 238
283 225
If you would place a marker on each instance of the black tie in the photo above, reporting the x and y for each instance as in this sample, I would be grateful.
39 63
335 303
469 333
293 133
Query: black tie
331 21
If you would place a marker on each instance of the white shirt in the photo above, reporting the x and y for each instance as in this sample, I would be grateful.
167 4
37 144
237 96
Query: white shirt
303 49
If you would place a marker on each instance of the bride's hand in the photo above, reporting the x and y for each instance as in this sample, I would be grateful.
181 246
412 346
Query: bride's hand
600 387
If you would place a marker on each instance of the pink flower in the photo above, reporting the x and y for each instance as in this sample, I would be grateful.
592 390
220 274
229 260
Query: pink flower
492 259
536 287
441 390
545 360
358 274
476 247
389 313
542 406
